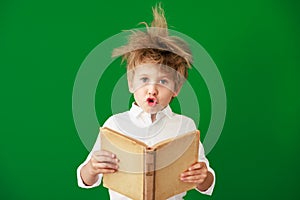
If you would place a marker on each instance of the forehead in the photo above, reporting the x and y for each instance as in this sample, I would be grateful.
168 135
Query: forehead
153 69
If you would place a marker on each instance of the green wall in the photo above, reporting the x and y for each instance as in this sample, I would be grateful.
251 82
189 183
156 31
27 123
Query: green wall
255 45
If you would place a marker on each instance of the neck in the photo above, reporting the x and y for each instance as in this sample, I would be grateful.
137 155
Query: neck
153 117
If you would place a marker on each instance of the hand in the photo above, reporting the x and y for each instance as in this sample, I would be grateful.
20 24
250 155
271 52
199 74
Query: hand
197 173
103 162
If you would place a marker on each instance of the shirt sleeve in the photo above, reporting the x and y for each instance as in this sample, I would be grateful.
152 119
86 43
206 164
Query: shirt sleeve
79 179
97 146
202 158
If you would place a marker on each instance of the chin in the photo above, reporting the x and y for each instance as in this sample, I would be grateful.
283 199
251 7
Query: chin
154 110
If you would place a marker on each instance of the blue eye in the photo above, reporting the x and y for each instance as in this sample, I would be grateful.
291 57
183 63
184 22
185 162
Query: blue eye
144 79
163 81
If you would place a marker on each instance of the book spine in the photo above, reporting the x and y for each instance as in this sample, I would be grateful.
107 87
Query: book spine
149 174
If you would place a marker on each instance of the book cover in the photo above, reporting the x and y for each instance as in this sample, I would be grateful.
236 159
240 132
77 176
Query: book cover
150 172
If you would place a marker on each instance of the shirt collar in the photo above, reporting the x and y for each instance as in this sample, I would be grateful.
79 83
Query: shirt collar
136 111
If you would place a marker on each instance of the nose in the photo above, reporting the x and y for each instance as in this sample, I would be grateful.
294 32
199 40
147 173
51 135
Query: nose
152 90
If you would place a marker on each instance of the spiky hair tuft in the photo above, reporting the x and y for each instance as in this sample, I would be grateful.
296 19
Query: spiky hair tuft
156 45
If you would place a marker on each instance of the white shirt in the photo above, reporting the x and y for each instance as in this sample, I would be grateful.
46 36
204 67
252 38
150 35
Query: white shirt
167 125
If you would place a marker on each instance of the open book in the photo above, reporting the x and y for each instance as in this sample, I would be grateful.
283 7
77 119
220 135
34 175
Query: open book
150 173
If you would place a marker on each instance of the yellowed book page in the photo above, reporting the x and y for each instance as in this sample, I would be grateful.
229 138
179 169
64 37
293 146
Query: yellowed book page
129 178
172 159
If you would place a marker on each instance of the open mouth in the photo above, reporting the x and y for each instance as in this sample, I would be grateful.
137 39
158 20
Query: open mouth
151 101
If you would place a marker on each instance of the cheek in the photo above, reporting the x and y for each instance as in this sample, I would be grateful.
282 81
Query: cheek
138 94
167 95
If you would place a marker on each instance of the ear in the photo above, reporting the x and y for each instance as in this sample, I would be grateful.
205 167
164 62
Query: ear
130 83
176 92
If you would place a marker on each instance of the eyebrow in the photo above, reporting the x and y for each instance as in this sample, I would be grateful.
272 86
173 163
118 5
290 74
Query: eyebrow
143 74
160 77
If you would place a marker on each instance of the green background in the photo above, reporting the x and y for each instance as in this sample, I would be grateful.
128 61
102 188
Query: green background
255 45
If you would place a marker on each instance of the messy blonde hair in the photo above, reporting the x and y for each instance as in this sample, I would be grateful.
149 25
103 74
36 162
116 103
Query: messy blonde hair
155 45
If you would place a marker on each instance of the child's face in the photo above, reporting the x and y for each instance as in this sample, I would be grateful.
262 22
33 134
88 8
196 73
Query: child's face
153 88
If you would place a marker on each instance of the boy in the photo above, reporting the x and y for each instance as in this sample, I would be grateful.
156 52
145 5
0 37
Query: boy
156 69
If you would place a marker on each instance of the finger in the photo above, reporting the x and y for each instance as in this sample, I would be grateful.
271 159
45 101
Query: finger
195 166
195 179
105 153
106 171
106 159
199 181
100 166
194 172
198 165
